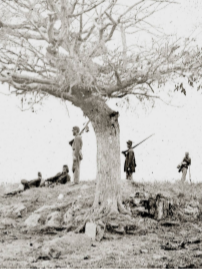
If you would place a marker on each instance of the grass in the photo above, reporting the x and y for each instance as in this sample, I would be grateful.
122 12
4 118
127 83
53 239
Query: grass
142 250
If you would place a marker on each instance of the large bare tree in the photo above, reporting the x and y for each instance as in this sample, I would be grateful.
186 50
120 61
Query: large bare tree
69 49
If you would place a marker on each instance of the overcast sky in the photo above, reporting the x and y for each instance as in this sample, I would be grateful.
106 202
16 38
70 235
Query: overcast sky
32 142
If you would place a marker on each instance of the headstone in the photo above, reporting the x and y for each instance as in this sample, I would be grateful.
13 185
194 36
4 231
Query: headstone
90 230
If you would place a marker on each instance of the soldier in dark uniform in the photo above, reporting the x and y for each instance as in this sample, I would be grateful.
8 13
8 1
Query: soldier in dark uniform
186 162
32 183
61 178
130 163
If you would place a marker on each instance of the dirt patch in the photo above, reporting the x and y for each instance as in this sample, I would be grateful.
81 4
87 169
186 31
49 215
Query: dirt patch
150 244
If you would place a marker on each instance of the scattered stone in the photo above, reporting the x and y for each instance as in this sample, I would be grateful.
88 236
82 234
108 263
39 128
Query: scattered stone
68 244
113 224
198 254
13 211
144 251
44 208
158 257
67 218
61 197
137 201
119 230
54 220
33 220
139 209
189 210
8 222
100 233
87 257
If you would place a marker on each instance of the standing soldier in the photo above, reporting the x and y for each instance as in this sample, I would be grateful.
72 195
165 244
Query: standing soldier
130 163
77 154
186 162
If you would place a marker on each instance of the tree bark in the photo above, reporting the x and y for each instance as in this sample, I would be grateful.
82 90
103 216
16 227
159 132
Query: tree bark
108 179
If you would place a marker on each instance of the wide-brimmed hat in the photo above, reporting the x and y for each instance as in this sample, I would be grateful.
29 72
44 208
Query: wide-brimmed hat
129 142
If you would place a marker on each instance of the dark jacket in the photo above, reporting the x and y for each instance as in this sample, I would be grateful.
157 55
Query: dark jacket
30 184
187 161
130 161
61 178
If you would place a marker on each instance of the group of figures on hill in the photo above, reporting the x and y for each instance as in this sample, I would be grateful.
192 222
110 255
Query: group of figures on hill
64 177
61 177
130 163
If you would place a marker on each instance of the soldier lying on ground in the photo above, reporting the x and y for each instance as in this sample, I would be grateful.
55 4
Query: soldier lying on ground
61 178
32 183
25 184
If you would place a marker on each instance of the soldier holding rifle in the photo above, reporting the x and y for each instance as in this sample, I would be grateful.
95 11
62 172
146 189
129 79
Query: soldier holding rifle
186 162
77 144
130 162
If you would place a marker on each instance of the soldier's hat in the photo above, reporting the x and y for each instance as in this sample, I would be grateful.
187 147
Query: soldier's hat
67 168
76 128
129 142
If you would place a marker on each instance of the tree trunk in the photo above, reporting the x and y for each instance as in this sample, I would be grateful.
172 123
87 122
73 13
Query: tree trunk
108 179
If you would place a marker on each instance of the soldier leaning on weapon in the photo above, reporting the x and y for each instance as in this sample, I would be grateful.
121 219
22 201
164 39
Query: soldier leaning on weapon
186 162
130 163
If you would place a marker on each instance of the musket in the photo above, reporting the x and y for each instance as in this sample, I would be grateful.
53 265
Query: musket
72 141
124 152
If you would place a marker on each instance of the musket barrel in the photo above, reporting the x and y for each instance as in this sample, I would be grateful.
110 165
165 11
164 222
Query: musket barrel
138 143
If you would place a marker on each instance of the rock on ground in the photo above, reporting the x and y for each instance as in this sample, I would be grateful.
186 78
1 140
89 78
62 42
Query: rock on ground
68 244
33 220
54 219
13 211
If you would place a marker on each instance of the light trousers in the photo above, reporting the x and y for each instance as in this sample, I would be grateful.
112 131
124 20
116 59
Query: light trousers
184 173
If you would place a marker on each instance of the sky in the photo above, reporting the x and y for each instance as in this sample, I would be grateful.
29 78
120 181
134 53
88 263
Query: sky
32 142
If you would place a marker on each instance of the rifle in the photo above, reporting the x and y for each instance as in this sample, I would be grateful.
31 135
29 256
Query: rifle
124 152
72 141
190 175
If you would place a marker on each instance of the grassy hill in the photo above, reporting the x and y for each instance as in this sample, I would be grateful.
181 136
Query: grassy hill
175 242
